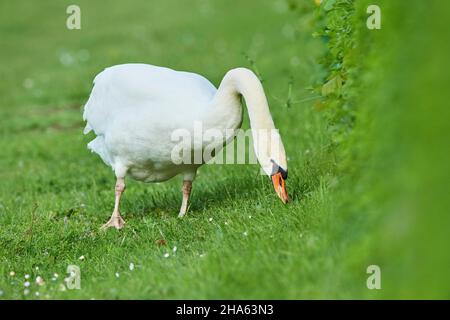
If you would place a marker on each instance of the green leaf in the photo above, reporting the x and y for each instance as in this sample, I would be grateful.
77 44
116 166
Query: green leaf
333 85
328 5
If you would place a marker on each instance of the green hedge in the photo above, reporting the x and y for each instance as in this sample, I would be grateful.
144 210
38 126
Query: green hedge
386 96
336 29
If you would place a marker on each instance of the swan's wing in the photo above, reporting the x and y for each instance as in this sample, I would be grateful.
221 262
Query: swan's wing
131 87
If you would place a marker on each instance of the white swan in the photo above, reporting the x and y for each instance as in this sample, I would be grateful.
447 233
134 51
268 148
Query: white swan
134 108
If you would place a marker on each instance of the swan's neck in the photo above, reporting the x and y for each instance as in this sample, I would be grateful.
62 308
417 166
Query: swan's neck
226 113
226 110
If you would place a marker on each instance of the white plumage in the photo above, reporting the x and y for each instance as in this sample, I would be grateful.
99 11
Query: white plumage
134 108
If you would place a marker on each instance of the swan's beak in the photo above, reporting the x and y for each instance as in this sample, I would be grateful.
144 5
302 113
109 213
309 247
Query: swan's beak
280 187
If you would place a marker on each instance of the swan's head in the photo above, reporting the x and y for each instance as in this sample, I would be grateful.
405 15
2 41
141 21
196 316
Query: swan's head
279 176
272 158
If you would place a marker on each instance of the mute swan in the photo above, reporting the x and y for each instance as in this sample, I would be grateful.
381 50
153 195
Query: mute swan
134 108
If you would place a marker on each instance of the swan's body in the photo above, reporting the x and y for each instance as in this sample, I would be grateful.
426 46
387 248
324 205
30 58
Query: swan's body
134 108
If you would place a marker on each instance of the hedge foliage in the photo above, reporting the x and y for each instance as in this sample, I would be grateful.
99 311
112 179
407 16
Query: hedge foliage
336 28
385 93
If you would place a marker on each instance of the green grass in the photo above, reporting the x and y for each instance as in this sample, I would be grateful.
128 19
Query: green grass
238 240
55 194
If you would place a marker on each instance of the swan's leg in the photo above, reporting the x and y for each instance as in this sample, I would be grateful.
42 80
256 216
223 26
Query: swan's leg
187 186
186 189
116 220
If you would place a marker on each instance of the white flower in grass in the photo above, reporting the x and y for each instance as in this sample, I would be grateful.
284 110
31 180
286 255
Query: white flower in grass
166 255
12 273
55 275
81 258
249 217
174 249
28 83
210 219
131 266
66 59
27 276
245 233
40 281
201 255
117 274
37 294
226 223
26 284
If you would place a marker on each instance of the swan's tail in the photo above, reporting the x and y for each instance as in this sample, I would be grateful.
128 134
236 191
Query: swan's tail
98 146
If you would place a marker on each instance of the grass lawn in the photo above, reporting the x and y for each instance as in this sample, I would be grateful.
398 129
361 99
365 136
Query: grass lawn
238 240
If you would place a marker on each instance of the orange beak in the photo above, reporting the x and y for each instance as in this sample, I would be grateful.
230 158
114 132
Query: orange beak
280 187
